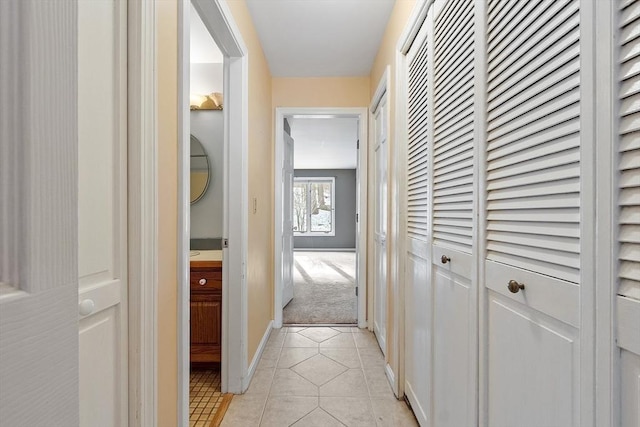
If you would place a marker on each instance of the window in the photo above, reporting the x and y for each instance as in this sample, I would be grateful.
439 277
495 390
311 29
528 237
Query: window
314 207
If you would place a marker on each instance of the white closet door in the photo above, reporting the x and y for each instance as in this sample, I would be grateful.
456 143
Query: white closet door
418 287
533 213
629 206
381 115
454 289
102 212
38 205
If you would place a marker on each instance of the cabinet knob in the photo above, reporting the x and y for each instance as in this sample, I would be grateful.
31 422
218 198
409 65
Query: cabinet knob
514 286
202 281
86 307
445 259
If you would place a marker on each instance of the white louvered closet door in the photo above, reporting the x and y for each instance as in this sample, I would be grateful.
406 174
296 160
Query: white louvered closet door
629 207
533 212
452 214
418 287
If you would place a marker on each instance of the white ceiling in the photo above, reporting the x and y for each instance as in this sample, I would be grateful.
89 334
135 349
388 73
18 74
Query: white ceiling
203 48
320 38
324 143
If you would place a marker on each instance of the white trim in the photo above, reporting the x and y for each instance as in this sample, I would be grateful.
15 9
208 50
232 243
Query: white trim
411 29
383 87
607 355
143 213
184 213
392 379
324 249
588 222
399 179
480 201
392 336
246 380
361 232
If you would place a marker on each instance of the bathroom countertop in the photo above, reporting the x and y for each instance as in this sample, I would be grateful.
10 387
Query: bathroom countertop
204 258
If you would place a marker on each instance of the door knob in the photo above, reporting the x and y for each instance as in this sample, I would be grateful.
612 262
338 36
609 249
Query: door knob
445 259
202 281
514 286
86 307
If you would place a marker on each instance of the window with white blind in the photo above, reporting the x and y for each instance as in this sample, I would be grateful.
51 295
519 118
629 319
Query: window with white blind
314 206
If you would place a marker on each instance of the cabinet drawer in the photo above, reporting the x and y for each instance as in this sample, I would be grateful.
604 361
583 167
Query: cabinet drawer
206 280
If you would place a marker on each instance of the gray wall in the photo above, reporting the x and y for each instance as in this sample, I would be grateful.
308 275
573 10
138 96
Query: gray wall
206 213
345 204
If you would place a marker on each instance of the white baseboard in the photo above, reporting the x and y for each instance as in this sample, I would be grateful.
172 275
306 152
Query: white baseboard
246 380
392 379
324 249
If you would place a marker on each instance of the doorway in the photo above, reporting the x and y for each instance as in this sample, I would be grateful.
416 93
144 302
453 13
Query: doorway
206 128
320 247
228 308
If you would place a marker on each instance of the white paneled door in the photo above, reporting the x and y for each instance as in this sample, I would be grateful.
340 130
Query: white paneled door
38 205
287 221
102 212
380 116
533 213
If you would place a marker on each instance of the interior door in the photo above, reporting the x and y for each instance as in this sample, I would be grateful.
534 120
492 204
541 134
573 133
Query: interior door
287 221
38 205
418 286
454 305
533 209
102 212
380 275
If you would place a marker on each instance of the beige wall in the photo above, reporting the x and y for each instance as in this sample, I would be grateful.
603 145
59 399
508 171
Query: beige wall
260 252
386 57
321 92
167 57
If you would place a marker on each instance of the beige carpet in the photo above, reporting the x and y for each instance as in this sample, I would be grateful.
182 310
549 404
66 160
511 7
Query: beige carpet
323 289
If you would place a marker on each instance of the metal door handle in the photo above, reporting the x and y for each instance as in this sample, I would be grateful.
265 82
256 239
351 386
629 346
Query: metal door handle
445 259
514 286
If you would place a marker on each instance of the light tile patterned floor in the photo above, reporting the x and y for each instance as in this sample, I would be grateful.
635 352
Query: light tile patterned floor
319 376
205 396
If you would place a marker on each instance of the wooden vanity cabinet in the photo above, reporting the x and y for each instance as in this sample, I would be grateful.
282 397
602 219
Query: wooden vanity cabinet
206 311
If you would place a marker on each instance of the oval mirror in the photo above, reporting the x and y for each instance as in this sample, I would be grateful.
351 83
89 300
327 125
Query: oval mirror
199 170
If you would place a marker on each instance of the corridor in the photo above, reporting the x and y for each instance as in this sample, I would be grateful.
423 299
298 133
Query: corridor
319 376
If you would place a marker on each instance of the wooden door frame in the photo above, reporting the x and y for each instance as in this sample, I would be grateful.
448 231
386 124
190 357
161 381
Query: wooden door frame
361 231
